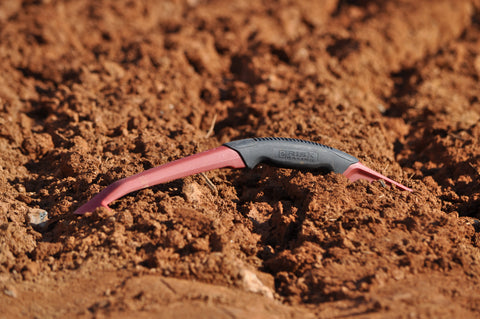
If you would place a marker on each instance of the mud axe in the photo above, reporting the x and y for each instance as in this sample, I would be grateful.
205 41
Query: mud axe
275 151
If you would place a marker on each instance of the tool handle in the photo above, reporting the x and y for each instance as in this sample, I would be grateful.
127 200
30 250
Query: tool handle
212 159
291 153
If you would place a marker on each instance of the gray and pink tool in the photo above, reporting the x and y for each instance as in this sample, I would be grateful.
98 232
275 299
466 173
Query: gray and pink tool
275 151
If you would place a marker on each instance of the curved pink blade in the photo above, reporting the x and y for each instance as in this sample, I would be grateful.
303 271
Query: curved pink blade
219 157
359 171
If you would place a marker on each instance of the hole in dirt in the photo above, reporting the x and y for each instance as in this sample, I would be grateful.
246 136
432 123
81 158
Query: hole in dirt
71 75
281 54
172 28
27 72
132 53
39 39
405 82
342 48
241 113
40 111
241 66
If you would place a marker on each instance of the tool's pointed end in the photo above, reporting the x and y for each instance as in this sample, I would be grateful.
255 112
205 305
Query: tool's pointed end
359 171
90 206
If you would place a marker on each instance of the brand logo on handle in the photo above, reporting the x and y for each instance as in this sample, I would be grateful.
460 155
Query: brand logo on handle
297 156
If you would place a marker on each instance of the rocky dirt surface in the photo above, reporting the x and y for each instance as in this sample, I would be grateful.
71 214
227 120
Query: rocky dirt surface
93 91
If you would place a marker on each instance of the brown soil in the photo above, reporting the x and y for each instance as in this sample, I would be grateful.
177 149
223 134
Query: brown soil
93 91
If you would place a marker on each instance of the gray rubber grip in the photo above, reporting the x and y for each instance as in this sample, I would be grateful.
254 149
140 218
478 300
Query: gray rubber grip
291 153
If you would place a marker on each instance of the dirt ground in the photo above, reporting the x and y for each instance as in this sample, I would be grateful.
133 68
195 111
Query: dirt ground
93 91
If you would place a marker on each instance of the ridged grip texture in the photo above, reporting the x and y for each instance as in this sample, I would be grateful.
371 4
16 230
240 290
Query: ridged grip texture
291 153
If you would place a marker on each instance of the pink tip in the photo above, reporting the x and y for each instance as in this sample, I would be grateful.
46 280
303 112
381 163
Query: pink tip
359 171
219 157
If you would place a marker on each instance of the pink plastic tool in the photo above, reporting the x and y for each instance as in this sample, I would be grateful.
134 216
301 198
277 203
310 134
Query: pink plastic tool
359 171
276 151
219 157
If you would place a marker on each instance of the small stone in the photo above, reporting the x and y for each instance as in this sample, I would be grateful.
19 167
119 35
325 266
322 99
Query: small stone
192 192
10 291
20 188
251 283
37 217
381 108
114 69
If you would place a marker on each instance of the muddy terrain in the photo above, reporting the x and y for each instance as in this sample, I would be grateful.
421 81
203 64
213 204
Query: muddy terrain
94 91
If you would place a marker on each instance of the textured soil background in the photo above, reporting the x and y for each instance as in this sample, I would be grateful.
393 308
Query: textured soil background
93 91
